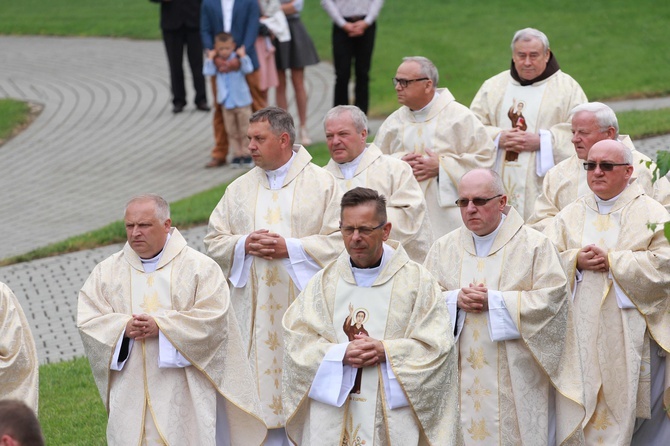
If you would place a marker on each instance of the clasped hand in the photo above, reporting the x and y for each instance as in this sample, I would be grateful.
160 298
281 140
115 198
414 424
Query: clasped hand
265 244
517 140
474 299
423 166
593 258
141 326
364 351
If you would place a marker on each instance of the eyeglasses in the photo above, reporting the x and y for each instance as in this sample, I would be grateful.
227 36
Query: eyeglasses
605 167
463 202
348 231
405 82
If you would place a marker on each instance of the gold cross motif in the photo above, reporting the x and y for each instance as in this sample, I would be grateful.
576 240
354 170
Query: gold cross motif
272 307
275 371
150 303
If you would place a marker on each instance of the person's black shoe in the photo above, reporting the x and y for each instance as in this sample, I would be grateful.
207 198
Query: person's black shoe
177 109
202 106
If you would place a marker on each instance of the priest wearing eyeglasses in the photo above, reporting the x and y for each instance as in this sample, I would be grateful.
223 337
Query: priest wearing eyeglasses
438 137
619 273
507 294
408 391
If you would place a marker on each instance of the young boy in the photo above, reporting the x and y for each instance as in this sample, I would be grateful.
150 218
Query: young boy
232 93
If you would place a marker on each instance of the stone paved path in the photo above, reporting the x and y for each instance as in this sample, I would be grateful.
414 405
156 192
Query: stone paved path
106 133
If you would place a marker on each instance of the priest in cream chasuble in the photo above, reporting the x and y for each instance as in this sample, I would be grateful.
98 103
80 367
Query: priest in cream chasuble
163 342
525 111
394 310
354 163
438 137
274 227
519 367
620 277
18 356
591 122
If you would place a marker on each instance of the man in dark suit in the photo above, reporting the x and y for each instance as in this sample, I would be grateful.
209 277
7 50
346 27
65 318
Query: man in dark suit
243 25
180 23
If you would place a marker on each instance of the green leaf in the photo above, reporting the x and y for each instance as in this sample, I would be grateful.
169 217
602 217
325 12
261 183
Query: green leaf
663 163
666 230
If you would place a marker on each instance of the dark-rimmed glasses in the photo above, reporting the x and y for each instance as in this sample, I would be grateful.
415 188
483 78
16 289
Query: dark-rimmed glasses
605 167
362 230
405 82
463 202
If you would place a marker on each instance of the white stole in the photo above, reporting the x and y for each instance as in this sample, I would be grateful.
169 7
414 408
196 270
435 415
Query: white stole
275 293
479 357
514 173
362 407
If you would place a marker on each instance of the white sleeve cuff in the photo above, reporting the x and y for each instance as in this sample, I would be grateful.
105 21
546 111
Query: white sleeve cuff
452 305
500 322
239 271
168 356
545 156
299 265
395 397
116 364
621 299
333 380
447 190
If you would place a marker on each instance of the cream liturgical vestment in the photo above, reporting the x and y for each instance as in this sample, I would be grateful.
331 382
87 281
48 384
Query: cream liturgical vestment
545 110
405 203
454 133
18 356
525 390
188 297
413 324
617 311
305 207
566 182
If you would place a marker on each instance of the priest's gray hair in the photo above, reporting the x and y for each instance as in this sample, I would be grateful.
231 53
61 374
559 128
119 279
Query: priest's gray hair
528 34
357 116
427 67
162 206
280 121
604 115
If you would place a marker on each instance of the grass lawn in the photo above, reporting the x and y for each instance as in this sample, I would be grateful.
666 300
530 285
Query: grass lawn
614 48
70 409
13 115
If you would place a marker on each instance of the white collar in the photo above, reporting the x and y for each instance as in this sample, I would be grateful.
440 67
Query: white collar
276 177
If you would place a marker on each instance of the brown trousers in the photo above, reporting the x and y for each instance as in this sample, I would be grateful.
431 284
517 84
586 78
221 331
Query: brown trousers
259 101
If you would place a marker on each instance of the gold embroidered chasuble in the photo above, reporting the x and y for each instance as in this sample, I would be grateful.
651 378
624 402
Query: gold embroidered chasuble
307 208
556 96
524 267
189 299
18 356
615 343
566 182
405 203
455 134
418 345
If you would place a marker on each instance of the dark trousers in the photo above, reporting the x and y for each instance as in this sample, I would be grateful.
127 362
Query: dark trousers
358 49
175 40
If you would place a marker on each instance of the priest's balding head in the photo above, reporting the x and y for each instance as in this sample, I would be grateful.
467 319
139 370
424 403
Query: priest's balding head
609 168
482 200
415 82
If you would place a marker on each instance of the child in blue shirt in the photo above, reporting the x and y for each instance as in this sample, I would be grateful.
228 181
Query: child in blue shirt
232 93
